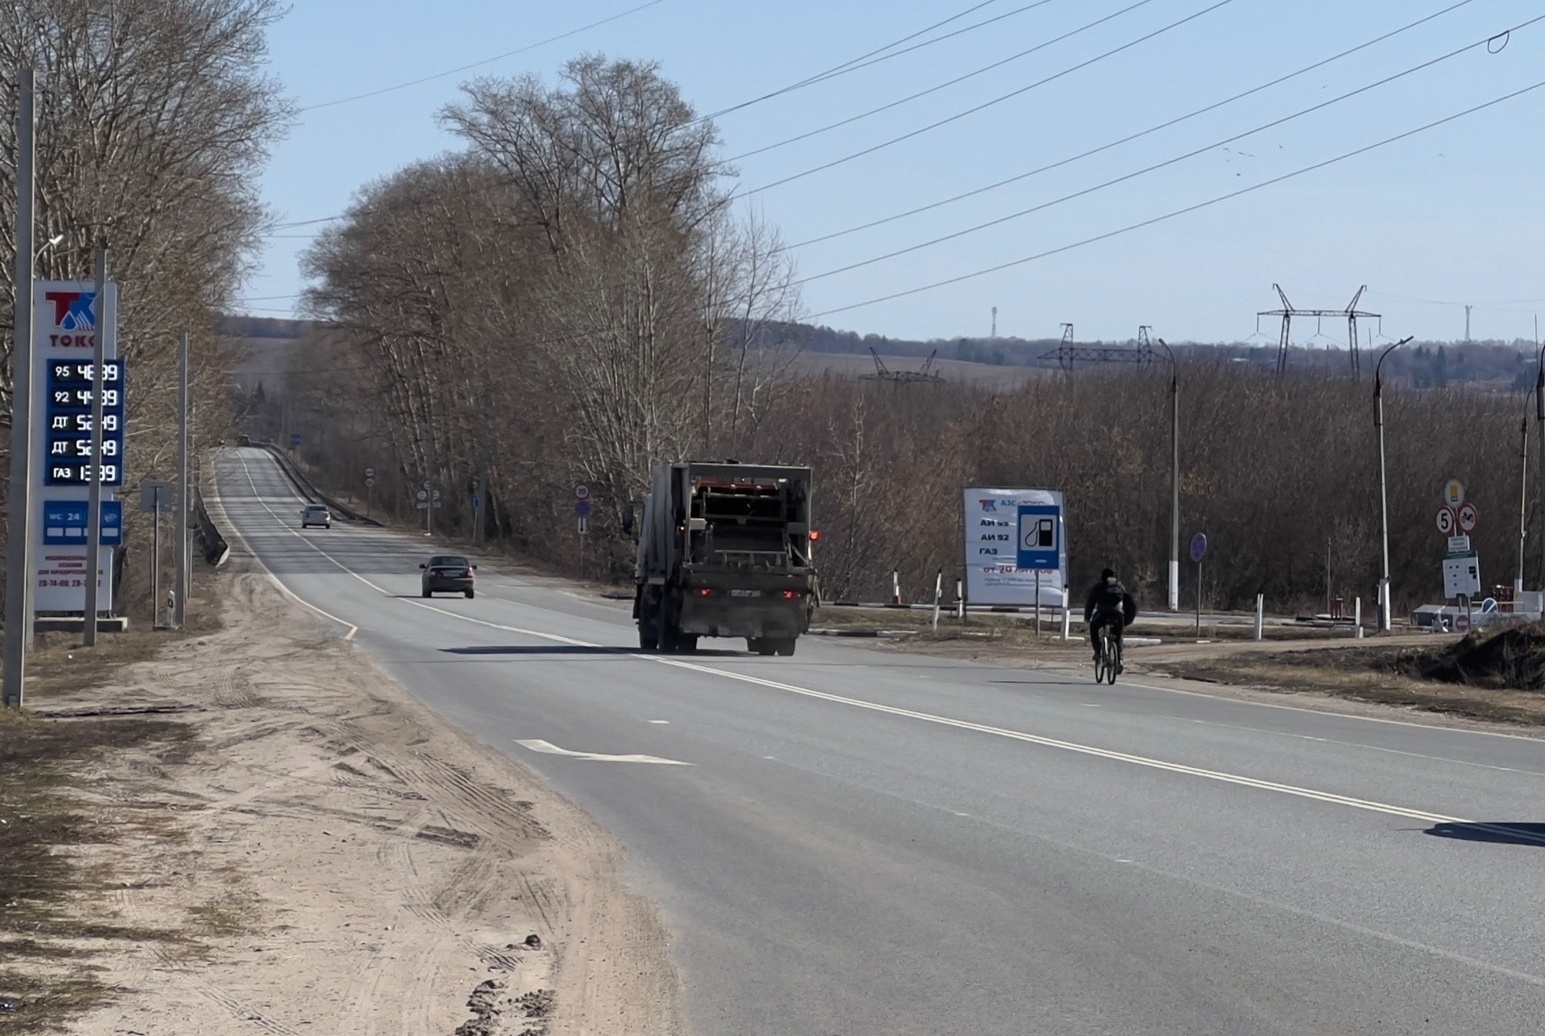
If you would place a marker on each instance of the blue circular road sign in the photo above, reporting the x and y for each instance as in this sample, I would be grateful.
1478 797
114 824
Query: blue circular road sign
1198 546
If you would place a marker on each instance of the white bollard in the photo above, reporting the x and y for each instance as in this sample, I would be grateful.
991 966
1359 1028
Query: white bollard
1357 617
895 587
1260 616
1067 619
960 599
171 609
938 597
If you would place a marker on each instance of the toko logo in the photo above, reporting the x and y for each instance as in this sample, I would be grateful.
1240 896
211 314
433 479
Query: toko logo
72 309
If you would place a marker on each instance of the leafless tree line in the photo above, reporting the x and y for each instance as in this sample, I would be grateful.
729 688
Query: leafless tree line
570 296
153 119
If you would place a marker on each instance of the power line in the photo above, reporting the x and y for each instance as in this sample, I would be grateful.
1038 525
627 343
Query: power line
1166 163
984 105
1127 139
863 60
1182 211
478 64
935 89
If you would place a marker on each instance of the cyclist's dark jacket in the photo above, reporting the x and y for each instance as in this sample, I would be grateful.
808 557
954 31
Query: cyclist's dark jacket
1110 599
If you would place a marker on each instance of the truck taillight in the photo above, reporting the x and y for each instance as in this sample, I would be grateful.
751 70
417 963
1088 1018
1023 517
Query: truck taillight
704 592
815 535
789 595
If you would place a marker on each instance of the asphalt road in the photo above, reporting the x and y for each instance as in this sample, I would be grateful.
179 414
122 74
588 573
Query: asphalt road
847 842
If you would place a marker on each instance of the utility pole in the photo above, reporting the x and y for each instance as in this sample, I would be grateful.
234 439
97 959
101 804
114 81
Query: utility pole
1467 325
1523 500
1174 471
184 492
94 493
20 571
1385 621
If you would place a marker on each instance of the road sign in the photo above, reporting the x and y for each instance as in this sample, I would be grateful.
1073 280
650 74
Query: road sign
477 501
1453 493
1462 575
294 439
434 494
1198 547
370 472
582 508
1040 538
424 505
422 494
584 525
1446 521
370 483
1458 545
1467 517
582 492
64 523
152 491
1488 606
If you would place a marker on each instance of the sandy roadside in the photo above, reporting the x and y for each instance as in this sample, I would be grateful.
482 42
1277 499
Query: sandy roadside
345 860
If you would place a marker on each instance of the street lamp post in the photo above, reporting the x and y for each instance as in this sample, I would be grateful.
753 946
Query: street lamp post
1523 500
1539 416
1174 478
1378 422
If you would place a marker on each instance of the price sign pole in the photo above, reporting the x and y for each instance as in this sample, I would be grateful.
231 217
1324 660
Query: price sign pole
104 321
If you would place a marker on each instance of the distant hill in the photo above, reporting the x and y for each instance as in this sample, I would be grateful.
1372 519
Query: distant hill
263 327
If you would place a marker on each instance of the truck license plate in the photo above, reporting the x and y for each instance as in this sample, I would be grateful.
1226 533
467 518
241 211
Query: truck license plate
745 593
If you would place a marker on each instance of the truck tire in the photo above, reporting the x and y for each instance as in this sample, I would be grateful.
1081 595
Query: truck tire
760 645
686 643
785 646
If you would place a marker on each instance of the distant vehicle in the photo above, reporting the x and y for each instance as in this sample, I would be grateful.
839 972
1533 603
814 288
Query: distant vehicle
447 573
725 550
245 440
316 514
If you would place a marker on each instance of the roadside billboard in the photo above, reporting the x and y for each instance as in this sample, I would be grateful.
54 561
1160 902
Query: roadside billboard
1005 527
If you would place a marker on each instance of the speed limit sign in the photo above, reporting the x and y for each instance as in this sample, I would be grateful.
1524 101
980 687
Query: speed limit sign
1446 521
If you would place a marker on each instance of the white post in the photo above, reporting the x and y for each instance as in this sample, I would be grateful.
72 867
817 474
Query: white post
20 568
895 587
1260 616
1357 617
1067 618
938 596
960 599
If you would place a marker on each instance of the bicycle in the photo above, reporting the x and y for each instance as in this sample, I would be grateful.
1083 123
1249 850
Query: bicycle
1108 661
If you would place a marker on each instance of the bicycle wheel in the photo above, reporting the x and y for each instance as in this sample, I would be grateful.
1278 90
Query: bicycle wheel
1113 654
1102 656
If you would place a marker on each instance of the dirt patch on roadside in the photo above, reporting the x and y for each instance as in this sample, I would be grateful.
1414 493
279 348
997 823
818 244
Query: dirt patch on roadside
301 847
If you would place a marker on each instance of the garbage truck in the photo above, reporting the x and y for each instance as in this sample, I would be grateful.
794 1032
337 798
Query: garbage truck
725 550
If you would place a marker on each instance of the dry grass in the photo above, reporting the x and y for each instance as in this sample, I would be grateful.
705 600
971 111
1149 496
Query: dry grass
45 935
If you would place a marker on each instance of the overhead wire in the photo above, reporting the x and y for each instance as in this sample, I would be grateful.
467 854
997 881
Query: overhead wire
872 57
1127 139
935 89
1167 162
984 105
1129 228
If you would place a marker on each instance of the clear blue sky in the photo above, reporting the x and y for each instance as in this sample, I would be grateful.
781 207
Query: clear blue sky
1449 216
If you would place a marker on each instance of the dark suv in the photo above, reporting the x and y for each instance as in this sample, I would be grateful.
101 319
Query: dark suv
447 573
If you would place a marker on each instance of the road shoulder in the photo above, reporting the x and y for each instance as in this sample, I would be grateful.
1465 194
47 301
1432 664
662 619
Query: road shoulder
328 855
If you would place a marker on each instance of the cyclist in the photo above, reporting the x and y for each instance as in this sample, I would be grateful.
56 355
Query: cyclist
1108 604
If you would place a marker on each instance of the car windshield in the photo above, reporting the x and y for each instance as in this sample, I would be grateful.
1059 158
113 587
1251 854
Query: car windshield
449 561
316 509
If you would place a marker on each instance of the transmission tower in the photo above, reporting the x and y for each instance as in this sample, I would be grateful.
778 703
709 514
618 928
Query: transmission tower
1288 312
924 374
1066 353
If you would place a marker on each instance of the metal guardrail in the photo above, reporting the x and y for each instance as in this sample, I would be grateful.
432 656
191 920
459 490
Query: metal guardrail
215 549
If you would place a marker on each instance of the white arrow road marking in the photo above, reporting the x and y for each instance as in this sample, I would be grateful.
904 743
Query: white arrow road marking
548 748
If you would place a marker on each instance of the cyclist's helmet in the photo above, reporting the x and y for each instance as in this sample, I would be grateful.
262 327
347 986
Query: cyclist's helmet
1107 575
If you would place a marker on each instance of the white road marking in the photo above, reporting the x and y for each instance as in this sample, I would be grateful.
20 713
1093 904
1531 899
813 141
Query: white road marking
548 748
292 595
660 721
